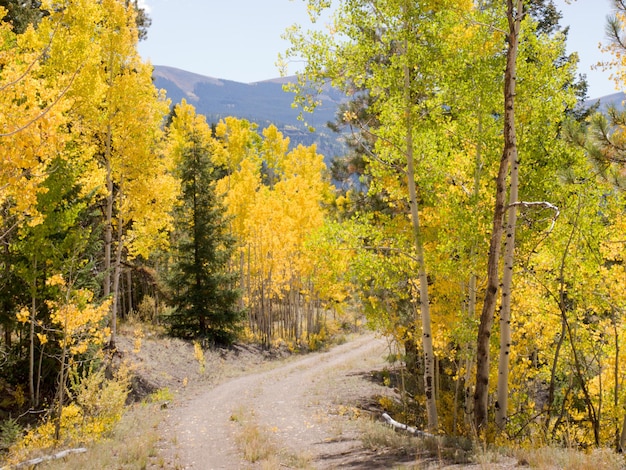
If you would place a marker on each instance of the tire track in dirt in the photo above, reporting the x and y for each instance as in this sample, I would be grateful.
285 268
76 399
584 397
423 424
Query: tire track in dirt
290 401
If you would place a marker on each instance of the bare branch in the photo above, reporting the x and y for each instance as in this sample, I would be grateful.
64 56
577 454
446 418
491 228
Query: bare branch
8 231
544 204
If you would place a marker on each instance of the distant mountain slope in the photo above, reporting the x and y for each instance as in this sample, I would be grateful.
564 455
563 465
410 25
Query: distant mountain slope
615 99
262 102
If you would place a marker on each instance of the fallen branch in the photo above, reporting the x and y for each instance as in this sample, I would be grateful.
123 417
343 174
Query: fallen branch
45 458
395 424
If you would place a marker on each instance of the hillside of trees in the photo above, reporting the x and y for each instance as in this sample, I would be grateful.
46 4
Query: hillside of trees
480 223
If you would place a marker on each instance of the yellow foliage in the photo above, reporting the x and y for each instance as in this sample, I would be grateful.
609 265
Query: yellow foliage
19 396
23 316
98 406
79 319
138 335
274 198
198 354
55 280
43 339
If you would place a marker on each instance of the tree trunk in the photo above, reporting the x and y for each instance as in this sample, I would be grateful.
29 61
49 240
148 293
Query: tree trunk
397 425
509 244
62 378
129 290
31 349
116 279
427 339
509 156
471 312
8 329
472 289
505 308
108 231
616 378
108 234
40 365
622 438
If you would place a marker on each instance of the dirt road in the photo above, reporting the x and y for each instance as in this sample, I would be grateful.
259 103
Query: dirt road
299 406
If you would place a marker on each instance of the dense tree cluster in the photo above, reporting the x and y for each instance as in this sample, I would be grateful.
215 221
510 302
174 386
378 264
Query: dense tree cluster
112 205
439 146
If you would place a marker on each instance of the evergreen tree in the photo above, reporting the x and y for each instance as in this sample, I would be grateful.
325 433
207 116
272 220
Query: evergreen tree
202 292
20 14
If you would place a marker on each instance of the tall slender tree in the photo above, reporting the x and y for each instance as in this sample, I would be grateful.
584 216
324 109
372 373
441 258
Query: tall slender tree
515 13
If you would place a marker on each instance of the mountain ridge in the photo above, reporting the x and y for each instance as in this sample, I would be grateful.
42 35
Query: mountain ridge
264 103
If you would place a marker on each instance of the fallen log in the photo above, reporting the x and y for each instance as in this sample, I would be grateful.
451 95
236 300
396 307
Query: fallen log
45 458
404 427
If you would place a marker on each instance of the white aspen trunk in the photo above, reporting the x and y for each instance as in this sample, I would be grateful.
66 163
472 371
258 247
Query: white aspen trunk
509 254
155 313
37 394
410 429
505 308
471 313
242 279
129 290
481 394
297 315
616 385
108 225
471 304
427 339
62 377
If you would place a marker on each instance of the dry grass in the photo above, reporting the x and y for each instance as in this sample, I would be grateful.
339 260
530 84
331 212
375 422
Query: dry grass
253 441
257 445
449 453
550 458
375 436
429 452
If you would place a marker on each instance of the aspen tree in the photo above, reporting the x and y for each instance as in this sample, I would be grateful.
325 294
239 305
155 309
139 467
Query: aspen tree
118 114
515 14
274 196
405 40
34 141
30 124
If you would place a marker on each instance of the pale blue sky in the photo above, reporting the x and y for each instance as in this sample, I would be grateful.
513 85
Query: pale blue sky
240 39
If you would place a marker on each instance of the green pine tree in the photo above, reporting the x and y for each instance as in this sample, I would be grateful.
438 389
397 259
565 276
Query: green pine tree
202 286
